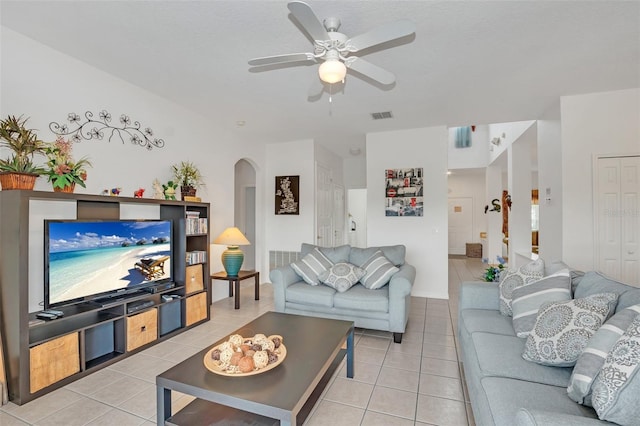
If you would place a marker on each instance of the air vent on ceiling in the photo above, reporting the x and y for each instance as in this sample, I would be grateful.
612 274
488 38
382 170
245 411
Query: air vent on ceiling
381 115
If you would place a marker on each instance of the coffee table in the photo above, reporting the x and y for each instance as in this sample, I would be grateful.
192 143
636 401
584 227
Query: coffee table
313 346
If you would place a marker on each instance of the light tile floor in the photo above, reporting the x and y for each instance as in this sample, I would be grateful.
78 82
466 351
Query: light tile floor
415 383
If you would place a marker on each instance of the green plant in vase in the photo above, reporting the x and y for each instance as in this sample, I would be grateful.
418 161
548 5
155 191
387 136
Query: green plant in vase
63 171
492 273
188 176
18 171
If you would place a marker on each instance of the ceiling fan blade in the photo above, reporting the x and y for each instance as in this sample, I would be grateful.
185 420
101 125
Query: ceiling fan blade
279 59
308 19
370 70
381 34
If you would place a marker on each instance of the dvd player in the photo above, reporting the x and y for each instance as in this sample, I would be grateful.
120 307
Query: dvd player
160 287
139 306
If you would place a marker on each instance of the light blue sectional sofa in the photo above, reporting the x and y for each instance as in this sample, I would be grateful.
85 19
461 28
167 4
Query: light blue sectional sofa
505 389
385 309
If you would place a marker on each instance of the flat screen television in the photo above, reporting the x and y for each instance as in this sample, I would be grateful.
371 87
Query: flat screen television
92 260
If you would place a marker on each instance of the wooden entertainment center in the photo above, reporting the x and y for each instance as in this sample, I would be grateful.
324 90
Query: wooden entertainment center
43 356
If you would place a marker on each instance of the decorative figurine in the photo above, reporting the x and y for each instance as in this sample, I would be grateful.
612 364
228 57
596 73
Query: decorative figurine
170 190
114 192
158 192
138 193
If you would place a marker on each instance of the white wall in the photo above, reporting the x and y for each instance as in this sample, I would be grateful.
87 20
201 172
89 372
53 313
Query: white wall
46 85
511 131
597 123
471 184
355 171
477 155
550 178
425 237
287 232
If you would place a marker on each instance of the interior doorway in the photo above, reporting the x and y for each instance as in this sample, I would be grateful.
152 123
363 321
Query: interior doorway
245 209
460 224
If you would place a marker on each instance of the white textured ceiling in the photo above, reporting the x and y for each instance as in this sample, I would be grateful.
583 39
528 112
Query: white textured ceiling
470 62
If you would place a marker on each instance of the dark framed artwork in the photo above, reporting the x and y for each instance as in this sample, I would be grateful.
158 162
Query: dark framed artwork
287 195
404 192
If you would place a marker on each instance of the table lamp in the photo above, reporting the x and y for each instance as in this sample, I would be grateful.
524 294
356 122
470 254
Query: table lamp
232 257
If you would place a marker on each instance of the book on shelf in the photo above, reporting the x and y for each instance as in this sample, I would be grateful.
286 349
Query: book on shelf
196 256
196 225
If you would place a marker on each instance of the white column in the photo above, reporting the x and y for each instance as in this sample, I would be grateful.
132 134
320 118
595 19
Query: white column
519 167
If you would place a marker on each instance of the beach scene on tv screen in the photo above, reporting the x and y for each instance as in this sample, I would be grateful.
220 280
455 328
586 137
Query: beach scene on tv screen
87 258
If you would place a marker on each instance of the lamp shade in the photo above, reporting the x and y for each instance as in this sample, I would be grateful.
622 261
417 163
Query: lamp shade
232 237
332 71
232 257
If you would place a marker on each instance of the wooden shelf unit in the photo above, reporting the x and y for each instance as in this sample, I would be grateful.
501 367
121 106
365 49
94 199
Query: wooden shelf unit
41 357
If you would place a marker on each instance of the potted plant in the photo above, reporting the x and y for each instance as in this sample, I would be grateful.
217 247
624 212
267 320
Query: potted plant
64 172
188 176
18 171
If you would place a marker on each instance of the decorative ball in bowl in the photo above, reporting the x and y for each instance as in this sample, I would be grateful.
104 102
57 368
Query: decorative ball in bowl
246 356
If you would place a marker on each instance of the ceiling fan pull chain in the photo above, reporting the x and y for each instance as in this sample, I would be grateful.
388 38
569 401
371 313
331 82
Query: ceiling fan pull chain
330 100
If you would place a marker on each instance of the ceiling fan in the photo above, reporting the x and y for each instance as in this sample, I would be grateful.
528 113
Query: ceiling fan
335 50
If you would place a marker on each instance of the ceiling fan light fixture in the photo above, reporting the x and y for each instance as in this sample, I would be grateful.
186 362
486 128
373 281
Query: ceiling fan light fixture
332 71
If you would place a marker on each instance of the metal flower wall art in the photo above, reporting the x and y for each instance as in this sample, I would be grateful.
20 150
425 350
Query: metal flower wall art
90 128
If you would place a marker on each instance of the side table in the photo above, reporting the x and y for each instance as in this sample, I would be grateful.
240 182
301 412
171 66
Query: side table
235 280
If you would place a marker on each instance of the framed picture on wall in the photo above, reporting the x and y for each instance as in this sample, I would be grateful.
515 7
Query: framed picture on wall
404 192
287 195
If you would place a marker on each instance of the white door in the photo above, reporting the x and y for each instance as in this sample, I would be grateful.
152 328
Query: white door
460 224
617 200
324 207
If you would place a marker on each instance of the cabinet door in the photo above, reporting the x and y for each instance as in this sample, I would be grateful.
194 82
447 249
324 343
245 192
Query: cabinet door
196 308
53 361
193 281
142 329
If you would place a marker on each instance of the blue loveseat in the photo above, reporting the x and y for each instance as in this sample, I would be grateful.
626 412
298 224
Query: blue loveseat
506 390
385 309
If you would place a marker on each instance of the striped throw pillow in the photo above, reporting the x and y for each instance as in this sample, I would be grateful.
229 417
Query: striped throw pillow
312 265
379 271
528 299
617 386
514 278
592 358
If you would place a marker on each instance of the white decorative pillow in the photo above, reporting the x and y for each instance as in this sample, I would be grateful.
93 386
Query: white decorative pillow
617 386
562 329
342 276
594 355
528 299
378 271
312 265
512 279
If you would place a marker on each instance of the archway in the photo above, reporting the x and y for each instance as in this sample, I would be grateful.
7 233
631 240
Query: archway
245 208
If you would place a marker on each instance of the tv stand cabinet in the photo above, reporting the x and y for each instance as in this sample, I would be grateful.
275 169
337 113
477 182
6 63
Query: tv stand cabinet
41 356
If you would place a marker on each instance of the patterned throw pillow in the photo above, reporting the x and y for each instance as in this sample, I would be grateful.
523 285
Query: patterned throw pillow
512 279
562 329
528 299
312 265
617 386
342 276
594 355
379 271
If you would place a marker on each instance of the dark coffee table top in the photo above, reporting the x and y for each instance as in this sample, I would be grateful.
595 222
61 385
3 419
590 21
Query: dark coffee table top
312 344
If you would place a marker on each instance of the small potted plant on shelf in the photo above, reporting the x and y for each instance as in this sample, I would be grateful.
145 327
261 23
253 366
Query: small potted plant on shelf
64 172
188 176
18 171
